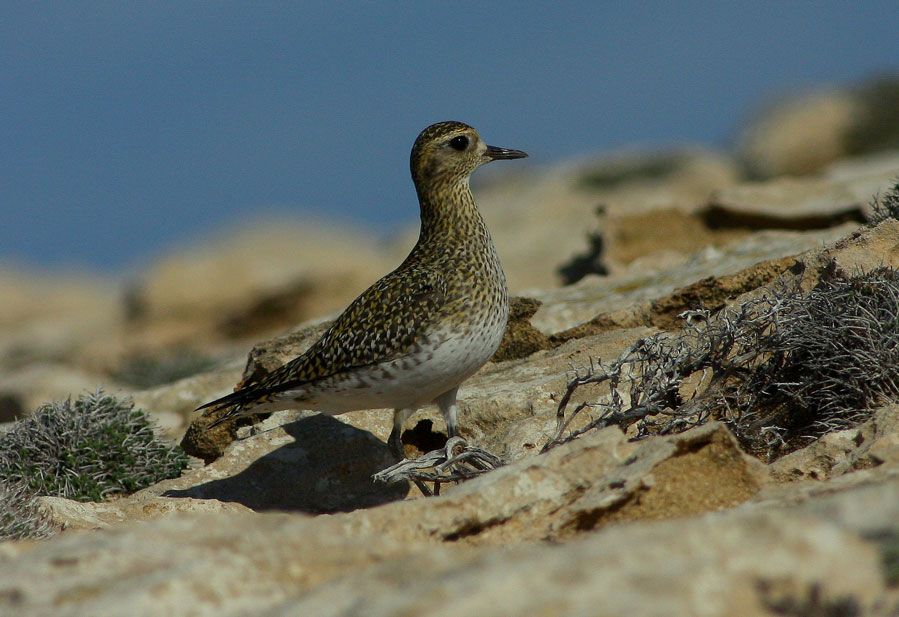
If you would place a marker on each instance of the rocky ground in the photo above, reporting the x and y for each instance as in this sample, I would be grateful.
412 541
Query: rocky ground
283 518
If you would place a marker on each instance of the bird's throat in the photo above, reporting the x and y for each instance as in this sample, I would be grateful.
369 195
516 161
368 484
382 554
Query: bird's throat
449 212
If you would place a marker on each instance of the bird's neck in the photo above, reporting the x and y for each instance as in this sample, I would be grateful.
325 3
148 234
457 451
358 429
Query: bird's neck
454 236
449 214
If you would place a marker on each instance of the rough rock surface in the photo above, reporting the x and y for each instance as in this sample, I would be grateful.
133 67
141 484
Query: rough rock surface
799 136
253 282
802 134
473 548
627 298
651 240
840 194
521 338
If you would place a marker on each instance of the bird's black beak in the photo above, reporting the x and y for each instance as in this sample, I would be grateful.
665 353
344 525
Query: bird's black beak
494 154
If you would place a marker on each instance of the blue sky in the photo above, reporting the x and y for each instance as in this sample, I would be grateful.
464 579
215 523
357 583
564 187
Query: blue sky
127 128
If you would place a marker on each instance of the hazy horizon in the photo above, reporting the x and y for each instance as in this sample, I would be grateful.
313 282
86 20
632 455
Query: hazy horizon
131 128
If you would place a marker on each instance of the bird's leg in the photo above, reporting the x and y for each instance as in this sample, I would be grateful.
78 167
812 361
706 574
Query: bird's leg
395 441
450 411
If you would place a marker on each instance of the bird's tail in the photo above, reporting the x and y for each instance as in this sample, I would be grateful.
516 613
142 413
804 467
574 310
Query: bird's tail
240 403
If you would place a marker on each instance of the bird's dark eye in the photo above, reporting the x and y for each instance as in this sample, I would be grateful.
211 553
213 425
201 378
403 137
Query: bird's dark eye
459 143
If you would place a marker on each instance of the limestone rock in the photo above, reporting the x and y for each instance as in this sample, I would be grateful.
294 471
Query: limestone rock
814 558
799 136
284 518
259 280
804 203
521 339
292 461
873 443
223 564
178 400
598 304
664 238
802 134
71 515
625 299
663 302
54 319
659 239
716 566
598 480
209 443
877 128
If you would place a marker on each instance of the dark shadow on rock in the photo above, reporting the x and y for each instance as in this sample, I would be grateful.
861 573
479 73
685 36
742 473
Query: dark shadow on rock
422 438
326 468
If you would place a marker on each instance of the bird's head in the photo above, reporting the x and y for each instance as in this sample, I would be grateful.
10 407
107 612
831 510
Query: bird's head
447 153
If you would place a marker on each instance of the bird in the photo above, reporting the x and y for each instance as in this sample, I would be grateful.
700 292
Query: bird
416 334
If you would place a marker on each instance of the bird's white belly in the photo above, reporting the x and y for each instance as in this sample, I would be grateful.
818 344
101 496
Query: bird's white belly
411 381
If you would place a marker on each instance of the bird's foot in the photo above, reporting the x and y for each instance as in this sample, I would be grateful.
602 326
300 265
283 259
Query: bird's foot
455 462
395 443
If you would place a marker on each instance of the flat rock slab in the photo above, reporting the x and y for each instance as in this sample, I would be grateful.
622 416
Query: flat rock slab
744 565
741 561
627 297
804 203
595 481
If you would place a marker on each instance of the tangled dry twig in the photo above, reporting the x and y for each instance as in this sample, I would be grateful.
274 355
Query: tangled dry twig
781 369
455 462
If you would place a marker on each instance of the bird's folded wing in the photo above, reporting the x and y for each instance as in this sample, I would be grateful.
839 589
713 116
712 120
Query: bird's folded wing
382 324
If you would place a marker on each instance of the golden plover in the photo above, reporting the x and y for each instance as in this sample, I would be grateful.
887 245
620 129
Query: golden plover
415 335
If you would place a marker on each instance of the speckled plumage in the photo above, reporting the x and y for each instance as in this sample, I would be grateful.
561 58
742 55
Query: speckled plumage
416 334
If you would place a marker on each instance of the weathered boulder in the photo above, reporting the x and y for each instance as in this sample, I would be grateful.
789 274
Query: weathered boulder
841 194
253 282
802 134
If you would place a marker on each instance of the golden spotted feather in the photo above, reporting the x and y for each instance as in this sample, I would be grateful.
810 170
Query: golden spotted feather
389 320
